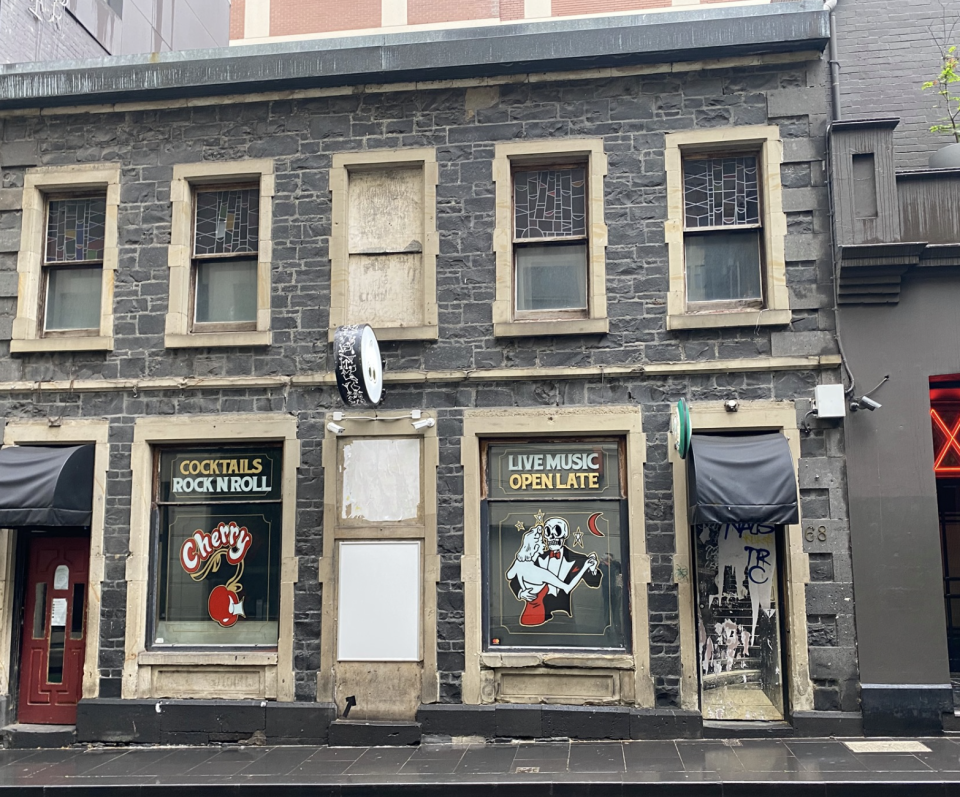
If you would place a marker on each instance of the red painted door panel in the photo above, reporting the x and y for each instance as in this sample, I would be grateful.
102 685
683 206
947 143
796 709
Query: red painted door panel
51 657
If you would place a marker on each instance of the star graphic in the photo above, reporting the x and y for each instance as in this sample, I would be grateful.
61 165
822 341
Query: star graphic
539 518
520 526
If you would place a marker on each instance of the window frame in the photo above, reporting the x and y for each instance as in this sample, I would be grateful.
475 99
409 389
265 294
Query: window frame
764 140
181 331
343 164
159 673
46 268
488 572
40 185
156 565
510 158
629 672
196 260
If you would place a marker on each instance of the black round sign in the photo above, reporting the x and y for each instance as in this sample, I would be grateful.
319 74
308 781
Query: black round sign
356 358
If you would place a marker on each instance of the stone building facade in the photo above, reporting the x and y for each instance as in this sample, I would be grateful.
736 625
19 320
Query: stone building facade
467 375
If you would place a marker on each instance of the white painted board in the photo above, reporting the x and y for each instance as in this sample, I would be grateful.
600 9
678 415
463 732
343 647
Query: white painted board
378 610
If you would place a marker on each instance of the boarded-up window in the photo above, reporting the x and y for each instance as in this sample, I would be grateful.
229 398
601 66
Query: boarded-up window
380 479
385 244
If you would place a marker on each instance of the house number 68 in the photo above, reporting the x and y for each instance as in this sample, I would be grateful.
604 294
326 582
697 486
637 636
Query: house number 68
820 534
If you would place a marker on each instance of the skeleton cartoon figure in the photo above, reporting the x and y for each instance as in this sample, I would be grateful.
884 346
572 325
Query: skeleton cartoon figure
545 571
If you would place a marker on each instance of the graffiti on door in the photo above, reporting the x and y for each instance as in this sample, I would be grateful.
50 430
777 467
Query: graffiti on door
738 622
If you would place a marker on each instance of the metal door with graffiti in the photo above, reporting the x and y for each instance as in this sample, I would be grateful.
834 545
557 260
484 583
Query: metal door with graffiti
51 655
738 620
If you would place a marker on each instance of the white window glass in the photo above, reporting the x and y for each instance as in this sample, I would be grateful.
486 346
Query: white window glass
226 291
723 266
73 298
552 278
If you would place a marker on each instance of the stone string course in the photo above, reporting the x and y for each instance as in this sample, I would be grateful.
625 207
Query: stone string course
631 115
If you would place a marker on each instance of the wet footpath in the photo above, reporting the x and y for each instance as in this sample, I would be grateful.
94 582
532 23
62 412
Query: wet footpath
719 768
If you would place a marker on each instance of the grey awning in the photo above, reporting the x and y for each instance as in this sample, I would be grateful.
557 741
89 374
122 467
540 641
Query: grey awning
744 479
46 486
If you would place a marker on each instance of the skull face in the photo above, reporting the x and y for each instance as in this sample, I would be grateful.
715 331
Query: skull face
555 532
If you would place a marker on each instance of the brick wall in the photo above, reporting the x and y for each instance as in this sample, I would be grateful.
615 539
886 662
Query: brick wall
887 50
631 116
293 17
565 8
237 11
23 37
322 16
421 12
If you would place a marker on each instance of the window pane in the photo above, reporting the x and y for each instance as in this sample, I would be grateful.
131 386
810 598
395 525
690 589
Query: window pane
75 230
552 278
226 291
721 191
218 547
228 222
723 266
550 203
73 298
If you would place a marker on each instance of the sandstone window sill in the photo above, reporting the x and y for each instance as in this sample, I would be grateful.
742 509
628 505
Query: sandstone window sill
79 343
743 318
204 340
253 658
525 329
615 661
426 332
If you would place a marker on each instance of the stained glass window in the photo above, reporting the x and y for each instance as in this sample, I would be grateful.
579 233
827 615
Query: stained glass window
721 192
228 222
75 230
550 203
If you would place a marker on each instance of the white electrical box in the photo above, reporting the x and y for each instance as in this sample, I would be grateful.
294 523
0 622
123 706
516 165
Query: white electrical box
830 401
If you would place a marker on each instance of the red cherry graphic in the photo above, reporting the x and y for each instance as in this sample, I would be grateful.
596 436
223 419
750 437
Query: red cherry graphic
224 606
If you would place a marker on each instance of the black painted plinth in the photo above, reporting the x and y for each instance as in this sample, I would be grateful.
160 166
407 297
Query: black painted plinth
533 721
361 733
119 721
892 710
827 723
31 737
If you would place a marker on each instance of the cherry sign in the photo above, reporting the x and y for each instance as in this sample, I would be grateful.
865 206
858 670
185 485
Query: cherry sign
204 553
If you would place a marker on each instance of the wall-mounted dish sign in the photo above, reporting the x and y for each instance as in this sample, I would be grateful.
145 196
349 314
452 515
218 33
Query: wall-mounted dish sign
359 369
681 428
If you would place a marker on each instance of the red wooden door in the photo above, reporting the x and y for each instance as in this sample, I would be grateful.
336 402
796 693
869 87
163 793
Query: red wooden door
51 657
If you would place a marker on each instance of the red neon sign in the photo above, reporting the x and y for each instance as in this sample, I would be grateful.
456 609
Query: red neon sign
949 445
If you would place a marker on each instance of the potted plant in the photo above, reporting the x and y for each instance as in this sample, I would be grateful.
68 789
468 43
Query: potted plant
947 86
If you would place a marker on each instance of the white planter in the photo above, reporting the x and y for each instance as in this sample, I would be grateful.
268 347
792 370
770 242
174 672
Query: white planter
946 158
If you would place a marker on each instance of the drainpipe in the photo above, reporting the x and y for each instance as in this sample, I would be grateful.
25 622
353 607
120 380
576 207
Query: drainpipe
831 5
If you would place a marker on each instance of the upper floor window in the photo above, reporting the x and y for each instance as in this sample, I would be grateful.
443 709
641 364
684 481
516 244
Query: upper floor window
384 242
73 265
550 241
550 238
725 228
722 231
225 247
220 250
68 258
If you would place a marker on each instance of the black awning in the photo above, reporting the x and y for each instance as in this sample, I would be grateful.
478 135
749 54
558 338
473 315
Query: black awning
46 486
744 479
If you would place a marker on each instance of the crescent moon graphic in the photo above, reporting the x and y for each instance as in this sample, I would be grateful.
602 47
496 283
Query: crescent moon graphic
592 524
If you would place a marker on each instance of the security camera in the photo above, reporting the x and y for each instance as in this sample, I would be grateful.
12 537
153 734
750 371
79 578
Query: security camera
864 403
731 405
335 428
425 423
